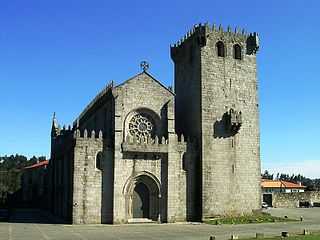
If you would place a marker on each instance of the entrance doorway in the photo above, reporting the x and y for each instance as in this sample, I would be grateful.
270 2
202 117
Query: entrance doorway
141 199
142 193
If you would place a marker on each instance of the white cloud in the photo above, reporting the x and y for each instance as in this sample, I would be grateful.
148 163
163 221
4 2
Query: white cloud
307 168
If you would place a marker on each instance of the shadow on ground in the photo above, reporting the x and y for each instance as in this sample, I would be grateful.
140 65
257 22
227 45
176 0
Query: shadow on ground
33 216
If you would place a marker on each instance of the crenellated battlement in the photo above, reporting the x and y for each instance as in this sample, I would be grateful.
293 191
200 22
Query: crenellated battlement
194 31
203 34
157 144
77 134
56 129
229 29
181 142
202 30
62 131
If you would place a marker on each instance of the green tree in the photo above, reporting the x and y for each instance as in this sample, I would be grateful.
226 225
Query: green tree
267 175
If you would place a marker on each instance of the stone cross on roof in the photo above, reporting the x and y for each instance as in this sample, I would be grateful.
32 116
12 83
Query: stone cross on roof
144 66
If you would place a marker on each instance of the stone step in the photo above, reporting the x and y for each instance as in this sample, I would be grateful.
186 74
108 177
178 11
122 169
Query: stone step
141 220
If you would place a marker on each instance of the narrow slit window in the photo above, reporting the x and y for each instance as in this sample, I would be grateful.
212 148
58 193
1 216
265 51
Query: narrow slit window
98 161
184 163
220 49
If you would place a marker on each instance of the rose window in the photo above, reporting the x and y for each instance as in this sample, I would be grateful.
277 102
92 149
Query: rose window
142 127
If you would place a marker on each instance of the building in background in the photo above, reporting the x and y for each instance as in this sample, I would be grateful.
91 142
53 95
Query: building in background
34 184
285 194
269 186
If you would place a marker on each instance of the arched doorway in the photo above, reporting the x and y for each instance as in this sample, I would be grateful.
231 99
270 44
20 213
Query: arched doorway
140 201
142 193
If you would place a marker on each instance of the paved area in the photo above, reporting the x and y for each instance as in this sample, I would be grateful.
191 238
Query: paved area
38 225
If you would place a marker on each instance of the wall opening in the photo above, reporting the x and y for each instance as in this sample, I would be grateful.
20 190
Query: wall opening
142 196
220 49
184 162
237 51
98 161
140 201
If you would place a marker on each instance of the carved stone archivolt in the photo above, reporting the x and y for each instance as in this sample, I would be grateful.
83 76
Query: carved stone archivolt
142 127
154 186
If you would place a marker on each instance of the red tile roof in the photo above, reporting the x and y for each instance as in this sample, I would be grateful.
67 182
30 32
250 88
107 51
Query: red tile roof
45 162
292 185
266 183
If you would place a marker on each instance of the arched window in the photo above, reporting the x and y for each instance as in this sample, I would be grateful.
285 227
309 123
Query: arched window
220 49
237 51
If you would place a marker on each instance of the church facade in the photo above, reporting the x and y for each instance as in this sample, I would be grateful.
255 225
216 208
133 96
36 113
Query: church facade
140 150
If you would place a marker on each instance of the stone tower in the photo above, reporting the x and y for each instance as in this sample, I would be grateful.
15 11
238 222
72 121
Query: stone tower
216 104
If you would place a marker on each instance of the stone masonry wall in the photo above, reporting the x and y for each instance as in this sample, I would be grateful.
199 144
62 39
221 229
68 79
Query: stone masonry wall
143 94
87 178
187 82
60 173
177 182
287 200
230 163
101 119
229 160
177 176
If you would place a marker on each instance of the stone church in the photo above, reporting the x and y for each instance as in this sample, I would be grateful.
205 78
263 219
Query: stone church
141 151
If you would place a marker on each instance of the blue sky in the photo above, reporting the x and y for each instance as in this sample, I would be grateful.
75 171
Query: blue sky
55 56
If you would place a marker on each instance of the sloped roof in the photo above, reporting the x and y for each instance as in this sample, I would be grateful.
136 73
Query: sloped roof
292 185
265 183
149 75
108 89
271 184
45 162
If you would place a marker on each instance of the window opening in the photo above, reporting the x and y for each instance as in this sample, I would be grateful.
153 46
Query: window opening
236 51
98 161
220 49
184 162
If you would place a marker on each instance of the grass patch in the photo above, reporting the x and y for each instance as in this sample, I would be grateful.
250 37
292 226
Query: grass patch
248 219
301 237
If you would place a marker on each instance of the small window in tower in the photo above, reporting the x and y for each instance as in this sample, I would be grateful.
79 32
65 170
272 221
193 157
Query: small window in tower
98 161
220 49
237 51
184 163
